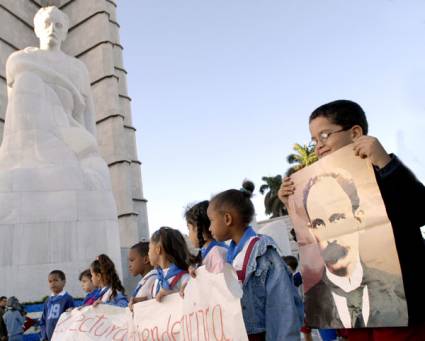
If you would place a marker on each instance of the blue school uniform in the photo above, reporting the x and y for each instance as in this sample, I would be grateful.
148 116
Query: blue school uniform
14 322
52 310
91 297
119 300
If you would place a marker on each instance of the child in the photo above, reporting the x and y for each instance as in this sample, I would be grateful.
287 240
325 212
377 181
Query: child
3 330
88 287
105 278
270 301
138 264
212 254
168 252
58 302
338 124
14 320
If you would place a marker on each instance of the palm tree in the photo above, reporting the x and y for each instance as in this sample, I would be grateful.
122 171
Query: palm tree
271 201
304 156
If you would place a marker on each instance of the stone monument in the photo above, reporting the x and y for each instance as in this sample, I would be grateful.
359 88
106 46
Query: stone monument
57 209
93 38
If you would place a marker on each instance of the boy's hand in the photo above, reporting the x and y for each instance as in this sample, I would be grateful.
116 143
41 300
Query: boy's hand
370 147
286 189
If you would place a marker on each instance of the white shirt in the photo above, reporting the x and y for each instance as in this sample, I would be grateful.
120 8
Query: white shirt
215 259
107 295
146 285
348 284
240 257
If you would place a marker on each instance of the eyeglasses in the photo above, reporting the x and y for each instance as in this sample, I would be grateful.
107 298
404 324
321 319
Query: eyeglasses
324 135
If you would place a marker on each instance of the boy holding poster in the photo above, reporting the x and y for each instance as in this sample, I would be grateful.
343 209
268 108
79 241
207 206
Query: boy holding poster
338 124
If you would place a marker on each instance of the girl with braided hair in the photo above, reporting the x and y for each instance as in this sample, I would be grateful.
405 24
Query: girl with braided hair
212 253
105 277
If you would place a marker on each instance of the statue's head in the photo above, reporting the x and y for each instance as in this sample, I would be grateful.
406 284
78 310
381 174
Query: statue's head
51 27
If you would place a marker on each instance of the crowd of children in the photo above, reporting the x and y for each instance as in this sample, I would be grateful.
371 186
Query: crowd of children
271 306
220 228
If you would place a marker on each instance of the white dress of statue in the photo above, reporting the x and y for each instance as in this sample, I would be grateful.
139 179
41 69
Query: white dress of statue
56 204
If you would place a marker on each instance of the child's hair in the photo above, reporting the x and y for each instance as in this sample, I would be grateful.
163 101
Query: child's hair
238 200
13 303
344 113
58 273
197 216
142 248
291 261
174 245
85 273
104 266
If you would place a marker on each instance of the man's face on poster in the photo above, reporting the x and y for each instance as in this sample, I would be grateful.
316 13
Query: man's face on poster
334 225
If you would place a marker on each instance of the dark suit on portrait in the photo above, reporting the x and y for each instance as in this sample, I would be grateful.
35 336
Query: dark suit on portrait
387 302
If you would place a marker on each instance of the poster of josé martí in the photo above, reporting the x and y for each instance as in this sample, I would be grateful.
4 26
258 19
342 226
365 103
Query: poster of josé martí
350 266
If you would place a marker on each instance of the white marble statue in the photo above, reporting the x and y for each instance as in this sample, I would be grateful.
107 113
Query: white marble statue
56 204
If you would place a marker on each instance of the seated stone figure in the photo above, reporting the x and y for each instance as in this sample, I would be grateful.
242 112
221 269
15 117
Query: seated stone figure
56 202
50 119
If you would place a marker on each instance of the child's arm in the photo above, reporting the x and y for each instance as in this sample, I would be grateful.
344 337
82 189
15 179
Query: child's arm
282 316
69 304
134 300
43 333
139 299
287 188
162 293
369 147
403 194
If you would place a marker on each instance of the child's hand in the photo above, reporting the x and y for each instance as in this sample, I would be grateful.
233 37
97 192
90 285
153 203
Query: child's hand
131 304
192 271
69 309
181 291
162 293
370 147
286 189
96 303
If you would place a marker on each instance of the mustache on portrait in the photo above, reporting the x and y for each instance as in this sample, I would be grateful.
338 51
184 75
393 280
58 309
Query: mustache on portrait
334 252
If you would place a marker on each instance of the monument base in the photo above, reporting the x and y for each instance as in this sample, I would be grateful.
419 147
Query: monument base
44 231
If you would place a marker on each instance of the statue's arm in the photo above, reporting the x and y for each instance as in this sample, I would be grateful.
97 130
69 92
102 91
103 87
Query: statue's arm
89 118
90 114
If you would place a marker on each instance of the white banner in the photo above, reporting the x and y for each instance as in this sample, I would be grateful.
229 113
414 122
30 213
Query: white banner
210 311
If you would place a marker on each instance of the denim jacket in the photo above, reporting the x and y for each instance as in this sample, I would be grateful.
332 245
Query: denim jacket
270 302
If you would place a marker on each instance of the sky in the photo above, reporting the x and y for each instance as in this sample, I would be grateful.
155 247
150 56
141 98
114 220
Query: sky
222 89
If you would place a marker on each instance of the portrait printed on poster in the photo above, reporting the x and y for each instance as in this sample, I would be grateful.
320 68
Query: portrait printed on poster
352 276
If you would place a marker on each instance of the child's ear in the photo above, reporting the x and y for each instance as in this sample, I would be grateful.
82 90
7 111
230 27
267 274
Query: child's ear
146 259
356 132
228 219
